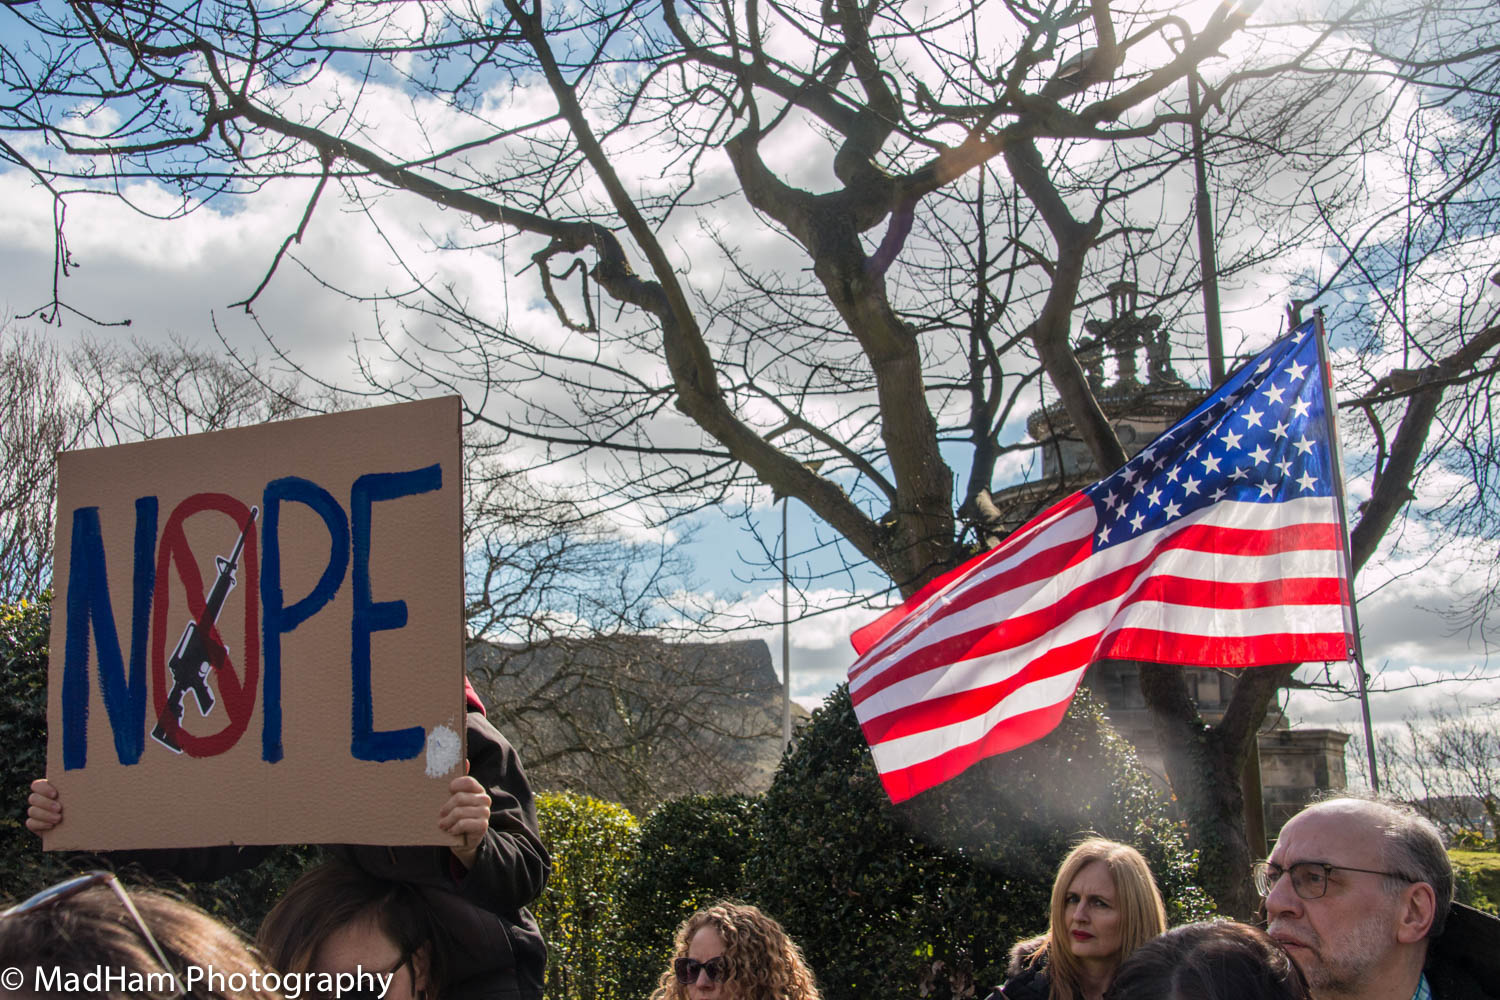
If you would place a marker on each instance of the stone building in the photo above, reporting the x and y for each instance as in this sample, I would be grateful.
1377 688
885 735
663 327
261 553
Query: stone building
1294 763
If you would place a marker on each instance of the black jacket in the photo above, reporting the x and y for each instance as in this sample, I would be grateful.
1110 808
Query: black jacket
1464 962
1025 975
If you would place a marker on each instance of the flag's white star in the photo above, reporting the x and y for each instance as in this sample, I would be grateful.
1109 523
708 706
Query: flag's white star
1274 394
1300 407
1218 495
1190 486
1263 366
1266 489
1210 464
1297 371
1131 476
1260 454
1304 445
1109 500
1103 535
1231 439
1193 451
1172 510
1154 496
1172 473
1285 466
1252 417
1307 482
1137 521
1239 474
1279 431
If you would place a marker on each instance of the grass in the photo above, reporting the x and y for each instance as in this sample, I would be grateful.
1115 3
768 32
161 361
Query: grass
1478 878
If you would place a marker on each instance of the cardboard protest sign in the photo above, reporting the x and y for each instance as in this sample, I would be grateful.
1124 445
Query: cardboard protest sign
257 634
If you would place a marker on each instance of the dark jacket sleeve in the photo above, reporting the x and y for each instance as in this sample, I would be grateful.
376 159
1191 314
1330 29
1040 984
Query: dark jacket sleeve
511 867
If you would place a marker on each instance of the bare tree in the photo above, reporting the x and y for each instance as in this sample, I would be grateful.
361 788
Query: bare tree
38 418
947 188
1446 763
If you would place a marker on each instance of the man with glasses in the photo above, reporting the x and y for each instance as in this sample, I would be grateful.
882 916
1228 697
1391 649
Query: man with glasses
1355 890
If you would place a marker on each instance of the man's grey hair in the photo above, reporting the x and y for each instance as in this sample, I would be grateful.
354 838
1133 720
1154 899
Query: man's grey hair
1412 846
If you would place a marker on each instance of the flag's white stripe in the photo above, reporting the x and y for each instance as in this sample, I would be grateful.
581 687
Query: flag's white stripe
965 675
1225 567
1047 592
904 751
1241 623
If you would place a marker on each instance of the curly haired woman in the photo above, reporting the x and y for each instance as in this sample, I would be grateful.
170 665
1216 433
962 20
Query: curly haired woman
732 951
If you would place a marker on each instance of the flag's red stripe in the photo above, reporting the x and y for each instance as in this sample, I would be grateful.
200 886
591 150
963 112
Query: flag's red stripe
1016 731
948 709
867 636
1217 651
1257 541
1236 596
987 639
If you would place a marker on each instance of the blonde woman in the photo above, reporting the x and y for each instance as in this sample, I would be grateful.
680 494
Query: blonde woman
1105 905
732 951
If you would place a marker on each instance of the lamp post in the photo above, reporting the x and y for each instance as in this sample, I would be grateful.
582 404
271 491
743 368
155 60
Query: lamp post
786 643
786 627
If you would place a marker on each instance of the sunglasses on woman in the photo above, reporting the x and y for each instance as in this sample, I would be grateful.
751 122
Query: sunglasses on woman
687 969
73 886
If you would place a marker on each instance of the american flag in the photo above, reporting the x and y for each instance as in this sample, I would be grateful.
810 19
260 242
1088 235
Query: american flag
1217 545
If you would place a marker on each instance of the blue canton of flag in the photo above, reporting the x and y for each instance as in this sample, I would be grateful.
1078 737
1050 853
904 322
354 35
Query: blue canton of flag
1258 439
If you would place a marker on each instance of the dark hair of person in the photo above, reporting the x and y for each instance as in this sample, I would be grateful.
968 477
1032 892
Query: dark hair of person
91 930
1209 961
335 895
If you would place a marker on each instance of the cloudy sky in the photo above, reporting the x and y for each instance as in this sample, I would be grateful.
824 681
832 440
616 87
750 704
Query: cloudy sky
179 278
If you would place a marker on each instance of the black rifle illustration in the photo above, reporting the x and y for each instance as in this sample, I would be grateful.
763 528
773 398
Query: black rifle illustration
199 651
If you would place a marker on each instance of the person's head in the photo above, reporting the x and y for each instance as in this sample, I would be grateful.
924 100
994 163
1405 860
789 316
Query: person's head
732 951
336 918
94 922
1105 904
1209 961
1354 890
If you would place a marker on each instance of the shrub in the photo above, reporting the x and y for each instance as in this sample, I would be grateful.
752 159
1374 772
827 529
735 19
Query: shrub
926 898
692 851
592 844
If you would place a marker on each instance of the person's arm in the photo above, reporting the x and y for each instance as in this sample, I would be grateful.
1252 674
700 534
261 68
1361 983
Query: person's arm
509 863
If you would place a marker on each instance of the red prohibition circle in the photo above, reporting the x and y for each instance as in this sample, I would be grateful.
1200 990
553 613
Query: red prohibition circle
236 693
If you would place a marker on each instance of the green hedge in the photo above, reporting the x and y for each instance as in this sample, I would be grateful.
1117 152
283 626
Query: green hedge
592 844
925 899
693 851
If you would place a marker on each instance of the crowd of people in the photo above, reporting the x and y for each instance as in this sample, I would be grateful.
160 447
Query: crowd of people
1354 895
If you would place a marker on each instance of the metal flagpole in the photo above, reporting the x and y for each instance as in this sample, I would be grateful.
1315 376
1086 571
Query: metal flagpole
1356 649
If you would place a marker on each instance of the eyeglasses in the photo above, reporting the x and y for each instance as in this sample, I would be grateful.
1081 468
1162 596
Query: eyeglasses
1309 878
73 886
687 969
